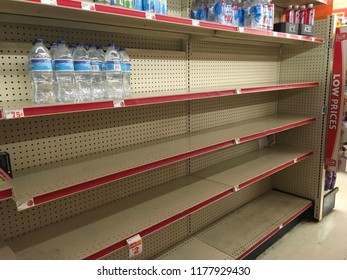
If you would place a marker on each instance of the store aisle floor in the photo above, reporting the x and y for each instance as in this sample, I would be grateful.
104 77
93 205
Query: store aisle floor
325 240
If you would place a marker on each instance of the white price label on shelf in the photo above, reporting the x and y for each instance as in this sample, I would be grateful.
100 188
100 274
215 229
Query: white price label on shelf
135 245
295 160
281 226
14 114
237 141
118 103
49 2
88 6
150 16
300 37
274 34
195 22
241 29
25 204
236 188
313 39
238 91
288 35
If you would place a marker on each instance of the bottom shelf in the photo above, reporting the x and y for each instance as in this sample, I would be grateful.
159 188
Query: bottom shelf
243 231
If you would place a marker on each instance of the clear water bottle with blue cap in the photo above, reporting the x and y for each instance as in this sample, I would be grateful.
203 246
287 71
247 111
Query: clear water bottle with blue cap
114 73
97 73
41 73
64 73
83 70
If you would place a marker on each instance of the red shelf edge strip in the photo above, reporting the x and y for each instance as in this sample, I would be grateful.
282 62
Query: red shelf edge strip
156 227
273 171
275 130
5 194
277 229
40 199
67 108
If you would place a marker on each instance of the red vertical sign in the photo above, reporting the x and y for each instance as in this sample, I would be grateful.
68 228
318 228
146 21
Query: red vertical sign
336 99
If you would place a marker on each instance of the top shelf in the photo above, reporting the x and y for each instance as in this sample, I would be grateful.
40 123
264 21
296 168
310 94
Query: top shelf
121 17
286 3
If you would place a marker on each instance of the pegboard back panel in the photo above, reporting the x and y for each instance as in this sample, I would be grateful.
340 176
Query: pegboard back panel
156 242
39 141
305 179
204 161
218 65
13 223
213 112
152 71
225 206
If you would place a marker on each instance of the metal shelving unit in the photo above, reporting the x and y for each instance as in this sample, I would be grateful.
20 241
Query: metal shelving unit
169 169
238 234
94 234
55 181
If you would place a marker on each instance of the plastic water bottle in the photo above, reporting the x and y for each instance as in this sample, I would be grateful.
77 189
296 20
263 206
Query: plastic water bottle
114 74
128 4
164 7
52 50
64 73
218 11
126 68
256 14
290 14
271 15
310 12
97 74
83 68
41 73
149 5
138 5
302 14
72 48
296 14
210 16
247 14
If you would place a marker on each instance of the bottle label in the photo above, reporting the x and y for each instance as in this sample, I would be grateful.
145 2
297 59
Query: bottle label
96 66
127 67
41 65
82 65
63 65
113 66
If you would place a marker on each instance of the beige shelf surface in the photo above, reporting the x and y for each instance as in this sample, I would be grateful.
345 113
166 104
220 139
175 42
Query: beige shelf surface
5 252
237 171
91 232
59 176
94 231
245 228
194 249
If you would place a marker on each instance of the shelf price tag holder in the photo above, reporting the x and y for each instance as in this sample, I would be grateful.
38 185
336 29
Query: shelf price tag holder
14 114
195 22
118 103
88 6
135 245
49 2
22 205
150 16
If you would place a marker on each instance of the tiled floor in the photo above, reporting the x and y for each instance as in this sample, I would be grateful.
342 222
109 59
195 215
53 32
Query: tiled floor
325 240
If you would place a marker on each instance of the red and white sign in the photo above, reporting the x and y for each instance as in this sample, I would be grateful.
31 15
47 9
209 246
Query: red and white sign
336 100
135 245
